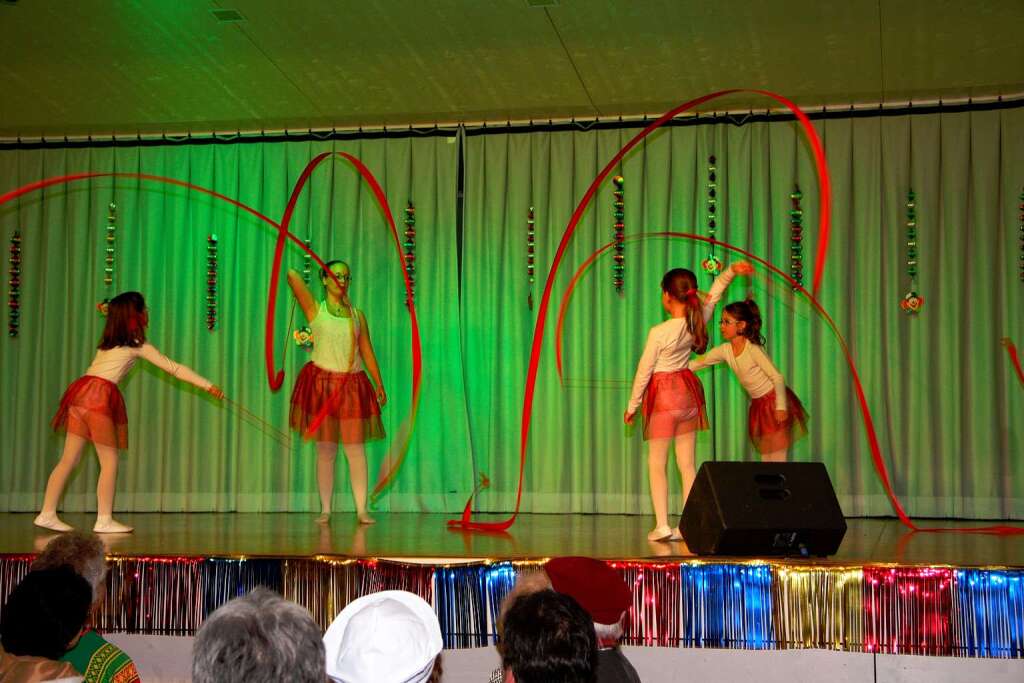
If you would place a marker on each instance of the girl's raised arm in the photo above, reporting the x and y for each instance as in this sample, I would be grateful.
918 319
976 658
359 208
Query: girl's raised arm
301 293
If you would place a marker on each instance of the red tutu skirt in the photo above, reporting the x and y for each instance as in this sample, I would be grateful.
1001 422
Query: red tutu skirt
673 404
766 433
347 399
93 408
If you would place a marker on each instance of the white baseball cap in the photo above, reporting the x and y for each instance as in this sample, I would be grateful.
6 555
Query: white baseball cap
386 637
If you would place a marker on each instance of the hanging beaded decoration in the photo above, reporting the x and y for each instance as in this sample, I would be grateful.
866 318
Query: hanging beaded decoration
712 265
211 282
619 214
14 281
912 301
796 237
108 268
531 249
410 248
307 263
1020 259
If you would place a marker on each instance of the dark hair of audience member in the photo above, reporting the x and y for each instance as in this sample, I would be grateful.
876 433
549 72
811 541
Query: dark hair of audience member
45 613
549 638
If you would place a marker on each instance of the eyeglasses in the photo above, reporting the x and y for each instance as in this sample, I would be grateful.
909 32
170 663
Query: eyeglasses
723 321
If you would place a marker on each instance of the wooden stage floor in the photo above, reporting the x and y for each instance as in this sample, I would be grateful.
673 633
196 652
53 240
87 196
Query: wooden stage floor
425 537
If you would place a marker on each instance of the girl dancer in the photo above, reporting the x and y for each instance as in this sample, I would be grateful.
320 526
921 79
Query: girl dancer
333 402
92 409
673 398
776 418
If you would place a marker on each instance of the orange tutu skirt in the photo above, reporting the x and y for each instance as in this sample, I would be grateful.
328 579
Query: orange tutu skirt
673 404
93 408
766 433
345 400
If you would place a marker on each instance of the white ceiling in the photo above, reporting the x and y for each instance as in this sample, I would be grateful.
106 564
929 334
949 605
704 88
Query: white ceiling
71 67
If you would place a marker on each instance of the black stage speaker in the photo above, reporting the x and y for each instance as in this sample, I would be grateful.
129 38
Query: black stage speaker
762 508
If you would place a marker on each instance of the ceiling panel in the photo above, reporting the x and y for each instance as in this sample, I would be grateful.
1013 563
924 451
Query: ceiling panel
102 66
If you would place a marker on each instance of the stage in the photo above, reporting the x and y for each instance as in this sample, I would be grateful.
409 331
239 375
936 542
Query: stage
425 538
886 590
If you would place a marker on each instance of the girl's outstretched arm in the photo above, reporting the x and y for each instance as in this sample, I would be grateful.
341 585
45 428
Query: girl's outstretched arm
301 293
179 371
720 284
712 357
370 359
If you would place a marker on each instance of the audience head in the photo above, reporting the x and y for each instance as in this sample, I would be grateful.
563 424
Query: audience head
529 581
385 637
598 588
256 638
83 552
548 638
45 613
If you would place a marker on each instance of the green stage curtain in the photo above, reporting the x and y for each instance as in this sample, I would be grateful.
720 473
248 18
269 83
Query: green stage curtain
186 451
944 398
943 395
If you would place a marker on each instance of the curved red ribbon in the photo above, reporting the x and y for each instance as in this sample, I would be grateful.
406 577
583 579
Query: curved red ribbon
824 223
1014 358
881 470
276 380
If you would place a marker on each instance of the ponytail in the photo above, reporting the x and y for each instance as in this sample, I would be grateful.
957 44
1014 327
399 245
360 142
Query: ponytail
681 285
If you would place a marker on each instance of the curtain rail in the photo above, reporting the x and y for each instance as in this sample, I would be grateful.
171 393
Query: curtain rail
736 117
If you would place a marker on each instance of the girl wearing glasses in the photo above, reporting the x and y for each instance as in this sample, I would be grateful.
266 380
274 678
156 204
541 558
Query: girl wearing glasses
776 418
333 402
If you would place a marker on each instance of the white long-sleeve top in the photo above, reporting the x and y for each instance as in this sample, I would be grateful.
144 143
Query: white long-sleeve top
113 364
752 368
669 343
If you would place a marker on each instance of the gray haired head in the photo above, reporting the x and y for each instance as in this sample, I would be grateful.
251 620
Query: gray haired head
80 550
259 638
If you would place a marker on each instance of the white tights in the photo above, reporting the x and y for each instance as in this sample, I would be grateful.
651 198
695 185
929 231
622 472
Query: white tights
106 485
326 454
657 459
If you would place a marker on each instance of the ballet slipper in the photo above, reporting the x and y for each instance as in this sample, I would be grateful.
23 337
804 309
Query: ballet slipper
109 525
51 521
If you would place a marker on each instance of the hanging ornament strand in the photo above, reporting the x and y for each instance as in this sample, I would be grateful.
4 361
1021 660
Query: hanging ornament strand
211 282
912 301
108 260
410 249
796 238
307 262
14 281
531 252
619 214
1020 258
712 265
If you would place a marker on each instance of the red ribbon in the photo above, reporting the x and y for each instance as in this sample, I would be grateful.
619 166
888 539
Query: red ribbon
881 470
1014 358
538 331
276 380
